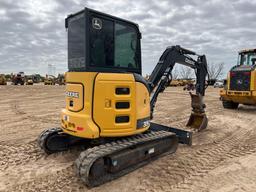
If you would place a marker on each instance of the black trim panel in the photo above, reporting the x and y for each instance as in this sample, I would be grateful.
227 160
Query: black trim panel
140 79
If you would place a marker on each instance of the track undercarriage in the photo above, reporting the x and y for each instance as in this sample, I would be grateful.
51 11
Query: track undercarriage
104 161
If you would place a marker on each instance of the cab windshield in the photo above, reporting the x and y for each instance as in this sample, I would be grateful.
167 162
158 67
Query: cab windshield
248 58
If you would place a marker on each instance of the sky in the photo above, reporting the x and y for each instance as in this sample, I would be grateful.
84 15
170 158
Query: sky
33 35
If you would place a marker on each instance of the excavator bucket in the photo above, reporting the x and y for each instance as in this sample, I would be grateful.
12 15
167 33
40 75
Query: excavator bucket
198 119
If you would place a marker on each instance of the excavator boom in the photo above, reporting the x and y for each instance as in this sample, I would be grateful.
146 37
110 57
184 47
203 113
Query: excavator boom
160 78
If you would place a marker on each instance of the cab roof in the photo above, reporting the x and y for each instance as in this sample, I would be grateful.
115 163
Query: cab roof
247 50
86 9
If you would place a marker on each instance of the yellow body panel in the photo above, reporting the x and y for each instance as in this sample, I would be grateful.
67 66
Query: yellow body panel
73 122
253 81
91 105
228 81
105 99
243 97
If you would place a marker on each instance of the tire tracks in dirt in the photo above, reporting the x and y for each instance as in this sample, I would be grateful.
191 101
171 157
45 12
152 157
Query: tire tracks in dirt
182 171
30 154
16 155
18 111
196 178
62 180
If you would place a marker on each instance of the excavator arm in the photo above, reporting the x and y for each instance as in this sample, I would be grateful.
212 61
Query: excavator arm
161 77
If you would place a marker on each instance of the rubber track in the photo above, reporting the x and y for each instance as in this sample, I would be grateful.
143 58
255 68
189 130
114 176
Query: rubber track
44 135
86 159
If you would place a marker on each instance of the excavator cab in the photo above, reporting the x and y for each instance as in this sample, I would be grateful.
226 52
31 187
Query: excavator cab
98 42
247 57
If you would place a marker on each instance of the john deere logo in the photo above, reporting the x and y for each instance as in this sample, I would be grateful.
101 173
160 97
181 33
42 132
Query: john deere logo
72 94
239 82
96 23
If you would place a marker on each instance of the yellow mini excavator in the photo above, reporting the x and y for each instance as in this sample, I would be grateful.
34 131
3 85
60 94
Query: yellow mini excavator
109 105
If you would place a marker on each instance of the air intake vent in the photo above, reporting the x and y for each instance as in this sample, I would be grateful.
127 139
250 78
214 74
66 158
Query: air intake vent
122 91
122 119
122 105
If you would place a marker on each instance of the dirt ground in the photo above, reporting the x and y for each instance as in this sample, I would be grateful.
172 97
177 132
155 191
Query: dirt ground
222 158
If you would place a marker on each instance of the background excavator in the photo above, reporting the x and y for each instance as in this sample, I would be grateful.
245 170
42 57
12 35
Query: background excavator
109 105
241 81
18 78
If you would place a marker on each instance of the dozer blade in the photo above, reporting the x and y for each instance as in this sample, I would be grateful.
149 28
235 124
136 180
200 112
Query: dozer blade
198 119
184 137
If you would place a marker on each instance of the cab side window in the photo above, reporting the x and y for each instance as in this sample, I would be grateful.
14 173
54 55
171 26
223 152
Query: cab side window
125 46
101 42
113 44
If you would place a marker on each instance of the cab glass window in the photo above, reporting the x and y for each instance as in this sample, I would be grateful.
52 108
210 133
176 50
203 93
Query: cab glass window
125 46
101 42
113 44
247 58
76 42
252 58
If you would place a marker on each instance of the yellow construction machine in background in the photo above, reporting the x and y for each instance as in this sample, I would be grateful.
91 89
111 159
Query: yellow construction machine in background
240 86
3 80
